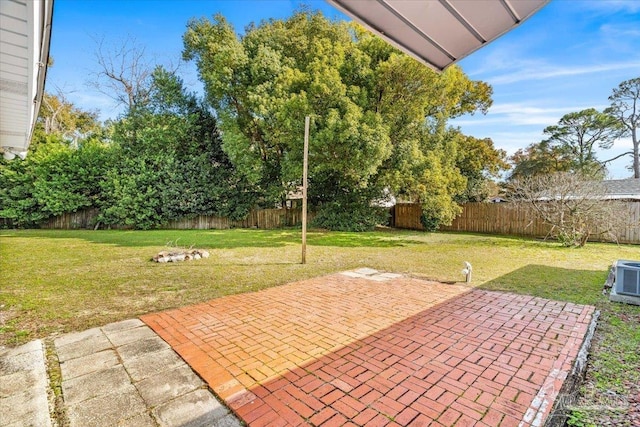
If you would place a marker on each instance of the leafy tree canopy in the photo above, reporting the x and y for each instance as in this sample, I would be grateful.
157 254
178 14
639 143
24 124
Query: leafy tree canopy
378 117
579 133
67 160
540 158
169 162
570 146
55 178
479 161
60 117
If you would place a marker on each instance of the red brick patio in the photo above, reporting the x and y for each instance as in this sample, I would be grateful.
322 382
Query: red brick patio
378 349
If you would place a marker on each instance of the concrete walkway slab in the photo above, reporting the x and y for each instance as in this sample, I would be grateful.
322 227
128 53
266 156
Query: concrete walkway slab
365 348
23 386
123 374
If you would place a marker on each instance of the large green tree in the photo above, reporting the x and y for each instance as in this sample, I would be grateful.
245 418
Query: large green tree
59 116
540 158
378 117
571 146
479 162
579 134
68 178
169 163
18 205
625 107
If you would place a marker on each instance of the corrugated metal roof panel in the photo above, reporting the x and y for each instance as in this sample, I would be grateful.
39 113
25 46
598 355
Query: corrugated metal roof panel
439 32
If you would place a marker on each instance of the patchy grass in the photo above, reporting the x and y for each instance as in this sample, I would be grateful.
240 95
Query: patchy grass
61 281
618 345
612 383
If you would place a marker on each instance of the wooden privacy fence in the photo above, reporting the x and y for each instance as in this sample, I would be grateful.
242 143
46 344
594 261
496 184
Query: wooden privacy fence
502 218
407 215
498 218
257 218
72 220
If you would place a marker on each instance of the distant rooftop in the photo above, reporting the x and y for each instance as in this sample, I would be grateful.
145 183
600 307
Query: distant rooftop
622 188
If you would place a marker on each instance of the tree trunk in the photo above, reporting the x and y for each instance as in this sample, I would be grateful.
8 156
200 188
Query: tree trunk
584 239
636 154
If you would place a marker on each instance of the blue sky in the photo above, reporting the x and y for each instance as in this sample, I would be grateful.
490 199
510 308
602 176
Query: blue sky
567 57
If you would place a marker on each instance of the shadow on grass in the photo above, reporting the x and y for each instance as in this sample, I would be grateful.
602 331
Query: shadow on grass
218 239
562 284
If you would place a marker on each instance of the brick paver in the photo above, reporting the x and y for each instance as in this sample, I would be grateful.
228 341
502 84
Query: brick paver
371 349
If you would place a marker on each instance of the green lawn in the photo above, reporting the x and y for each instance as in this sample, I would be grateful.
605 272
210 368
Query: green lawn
61 281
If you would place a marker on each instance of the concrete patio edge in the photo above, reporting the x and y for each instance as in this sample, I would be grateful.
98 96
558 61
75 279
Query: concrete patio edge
119 374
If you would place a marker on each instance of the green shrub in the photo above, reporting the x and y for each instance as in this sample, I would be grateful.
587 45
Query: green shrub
349 217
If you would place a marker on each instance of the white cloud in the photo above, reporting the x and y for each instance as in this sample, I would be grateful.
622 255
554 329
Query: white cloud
513 119
504 56
513 141
543 71
623 144
609 6
620 32
532 113
523 108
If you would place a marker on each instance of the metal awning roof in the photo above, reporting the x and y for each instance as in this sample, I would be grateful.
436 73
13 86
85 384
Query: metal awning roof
25 31
439 32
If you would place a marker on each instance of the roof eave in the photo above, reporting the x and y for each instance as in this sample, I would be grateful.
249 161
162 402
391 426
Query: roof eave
23 70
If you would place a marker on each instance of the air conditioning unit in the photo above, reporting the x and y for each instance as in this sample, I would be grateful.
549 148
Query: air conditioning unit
626 286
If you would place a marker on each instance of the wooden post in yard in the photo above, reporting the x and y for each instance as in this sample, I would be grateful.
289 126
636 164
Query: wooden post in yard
305 165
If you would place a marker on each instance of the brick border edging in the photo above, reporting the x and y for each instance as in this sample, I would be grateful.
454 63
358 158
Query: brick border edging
568 393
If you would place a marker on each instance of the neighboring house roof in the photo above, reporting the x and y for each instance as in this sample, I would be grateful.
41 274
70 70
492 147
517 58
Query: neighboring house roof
497 199
614 189
622 188
295 194
439 32
25 32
